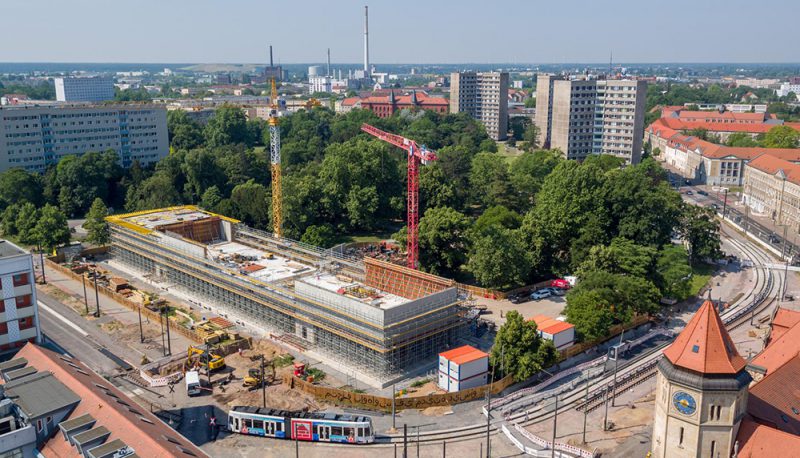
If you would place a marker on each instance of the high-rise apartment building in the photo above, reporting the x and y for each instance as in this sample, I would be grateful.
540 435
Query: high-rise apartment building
585 116
485 97
33 137
19 313
84 89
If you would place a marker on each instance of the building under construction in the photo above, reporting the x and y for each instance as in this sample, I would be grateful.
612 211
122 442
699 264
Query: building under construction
376 318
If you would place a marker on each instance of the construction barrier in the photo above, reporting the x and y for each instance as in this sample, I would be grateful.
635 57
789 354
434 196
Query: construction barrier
339 397
613 331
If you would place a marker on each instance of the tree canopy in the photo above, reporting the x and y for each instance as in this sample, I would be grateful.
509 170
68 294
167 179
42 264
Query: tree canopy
518 349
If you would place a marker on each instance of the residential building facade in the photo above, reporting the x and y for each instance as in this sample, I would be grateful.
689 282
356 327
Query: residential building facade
772 188
584 116
386 105
19 311
33 137
786 88
84 89
484 96
319 84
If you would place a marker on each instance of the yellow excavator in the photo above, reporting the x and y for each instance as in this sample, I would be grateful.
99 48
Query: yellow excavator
198 356
253 378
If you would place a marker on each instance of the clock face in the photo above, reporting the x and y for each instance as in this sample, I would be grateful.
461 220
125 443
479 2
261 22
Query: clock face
684 402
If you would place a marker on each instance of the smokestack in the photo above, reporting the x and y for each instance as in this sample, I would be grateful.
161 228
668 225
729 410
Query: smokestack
329 62
366 40
270 56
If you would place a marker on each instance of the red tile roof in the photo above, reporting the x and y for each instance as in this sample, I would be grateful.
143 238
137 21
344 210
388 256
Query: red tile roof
710 150
146 437
464 354
770 164
714 116
351 101
715 126
775 398
704 345
761 441
779 351
422 99
784 320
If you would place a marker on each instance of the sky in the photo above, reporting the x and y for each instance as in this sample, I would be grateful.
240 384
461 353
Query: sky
401 31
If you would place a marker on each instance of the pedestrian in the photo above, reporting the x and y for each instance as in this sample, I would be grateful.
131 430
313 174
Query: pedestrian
212 424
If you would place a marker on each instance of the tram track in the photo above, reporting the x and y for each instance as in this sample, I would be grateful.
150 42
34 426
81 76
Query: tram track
758 299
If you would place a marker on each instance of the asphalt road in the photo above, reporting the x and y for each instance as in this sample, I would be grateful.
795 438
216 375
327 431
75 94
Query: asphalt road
74 335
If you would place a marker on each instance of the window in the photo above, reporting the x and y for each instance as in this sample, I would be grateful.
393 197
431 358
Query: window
39 425
680 437
24 301
713 448
336 430
21 279
259 424
248 423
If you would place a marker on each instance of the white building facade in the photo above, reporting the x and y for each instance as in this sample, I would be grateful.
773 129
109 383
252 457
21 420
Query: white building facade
84 89
19 315
33 137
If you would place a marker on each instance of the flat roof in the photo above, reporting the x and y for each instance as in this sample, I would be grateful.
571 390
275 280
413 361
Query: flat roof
8 249
259 264
355 290
464 354
146 221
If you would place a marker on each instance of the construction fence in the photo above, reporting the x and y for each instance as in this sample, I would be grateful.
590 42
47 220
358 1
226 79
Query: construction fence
120 299
341 397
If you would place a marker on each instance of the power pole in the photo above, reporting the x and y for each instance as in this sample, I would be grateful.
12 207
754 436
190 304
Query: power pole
208 362
488 422
263 383
141 330
555 426
96 296
605 417
586 409
405 440
41 259
616 365
163 344
85 299
394 395
725 204
166 321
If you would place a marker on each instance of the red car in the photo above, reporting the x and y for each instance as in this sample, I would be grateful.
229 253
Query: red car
560 283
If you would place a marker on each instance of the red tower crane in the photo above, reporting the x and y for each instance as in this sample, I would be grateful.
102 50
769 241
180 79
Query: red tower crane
417 154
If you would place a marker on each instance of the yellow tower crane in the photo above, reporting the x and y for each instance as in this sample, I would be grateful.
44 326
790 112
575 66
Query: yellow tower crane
275 160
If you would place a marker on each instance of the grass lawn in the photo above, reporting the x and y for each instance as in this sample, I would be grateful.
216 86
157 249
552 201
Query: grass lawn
508 152
700 276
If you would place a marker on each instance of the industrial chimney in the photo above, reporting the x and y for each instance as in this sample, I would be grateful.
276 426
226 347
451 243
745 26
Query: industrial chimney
366 40
270 56
329 63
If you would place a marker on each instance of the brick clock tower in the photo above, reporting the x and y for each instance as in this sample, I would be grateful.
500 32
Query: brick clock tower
701 391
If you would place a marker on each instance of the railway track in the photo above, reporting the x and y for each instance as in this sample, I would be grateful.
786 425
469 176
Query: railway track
758 299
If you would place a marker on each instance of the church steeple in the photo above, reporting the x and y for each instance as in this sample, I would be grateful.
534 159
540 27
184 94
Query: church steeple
705 346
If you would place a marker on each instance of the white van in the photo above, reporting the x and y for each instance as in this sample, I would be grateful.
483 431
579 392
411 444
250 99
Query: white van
193 387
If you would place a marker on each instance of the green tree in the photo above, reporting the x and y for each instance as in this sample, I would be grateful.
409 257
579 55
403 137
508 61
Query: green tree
321 236
532 137
528 172
362 206
674 272
251 202
500 259
518 349
96 224
155 192
741 139
591 313
781 137
9 220
52 229
443 242
80 179
202 172
227 126
496 217
489 181
211 199
700 229
184 132
18 185
27 217
622 256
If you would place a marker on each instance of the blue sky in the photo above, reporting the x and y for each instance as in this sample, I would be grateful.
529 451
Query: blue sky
401 31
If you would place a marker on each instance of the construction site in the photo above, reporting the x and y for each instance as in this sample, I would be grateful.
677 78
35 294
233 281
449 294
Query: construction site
381 320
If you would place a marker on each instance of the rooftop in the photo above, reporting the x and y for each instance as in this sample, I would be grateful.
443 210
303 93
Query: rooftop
775 399
761 441
704 346
8 249
464 354
772 165
355 290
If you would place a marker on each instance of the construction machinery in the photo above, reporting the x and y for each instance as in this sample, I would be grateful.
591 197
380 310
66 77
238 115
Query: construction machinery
275 161
200 357
254 379
417 154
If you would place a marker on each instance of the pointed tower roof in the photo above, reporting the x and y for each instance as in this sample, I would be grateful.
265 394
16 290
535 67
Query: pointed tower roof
704 345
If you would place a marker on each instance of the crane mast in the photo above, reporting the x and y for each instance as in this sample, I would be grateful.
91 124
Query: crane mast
275 161
416 154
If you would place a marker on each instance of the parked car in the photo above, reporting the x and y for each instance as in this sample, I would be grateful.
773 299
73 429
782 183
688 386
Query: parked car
519 298
689 193
560 283
556 291
541 294
702 193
